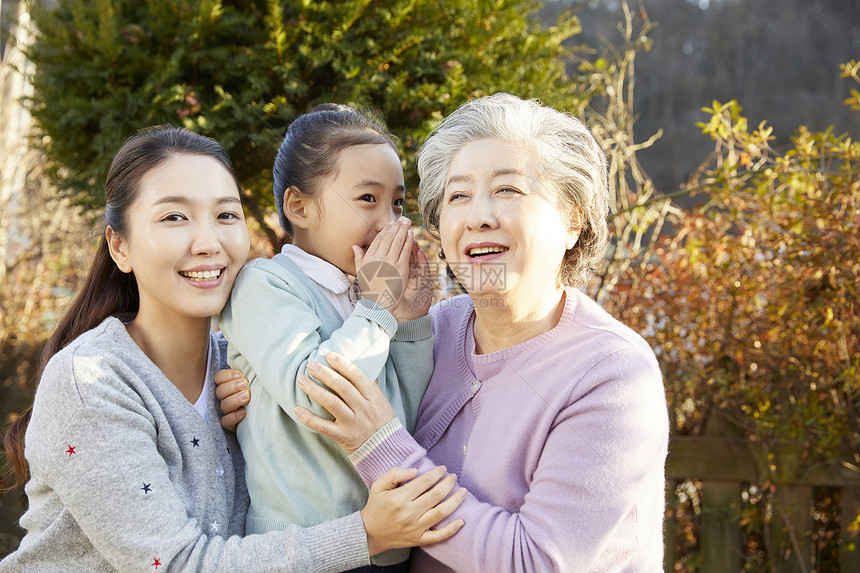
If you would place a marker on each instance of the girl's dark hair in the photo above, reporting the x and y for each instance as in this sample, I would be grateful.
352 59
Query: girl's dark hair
107 290
311 148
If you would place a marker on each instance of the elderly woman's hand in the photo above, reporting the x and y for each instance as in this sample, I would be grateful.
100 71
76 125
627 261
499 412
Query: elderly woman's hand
357 404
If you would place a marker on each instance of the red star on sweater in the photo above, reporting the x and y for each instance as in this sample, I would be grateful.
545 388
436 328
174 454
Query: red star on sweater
155 562
71 450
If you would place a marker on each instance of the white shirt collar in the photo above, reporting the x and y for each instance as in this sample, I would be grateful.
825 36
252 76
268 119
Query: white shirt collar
321 272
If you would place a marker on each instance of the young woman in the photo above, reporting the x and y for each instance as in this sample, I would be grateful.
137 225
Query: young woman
130 469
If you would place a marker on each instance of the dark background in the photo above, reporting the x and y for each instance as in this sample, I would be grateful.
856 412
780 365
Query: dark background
778 58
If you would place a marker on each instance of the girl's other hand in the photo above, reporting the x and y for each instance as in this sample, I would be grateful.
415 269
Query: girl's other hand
401 511
383 271
418 291
231 388
358 406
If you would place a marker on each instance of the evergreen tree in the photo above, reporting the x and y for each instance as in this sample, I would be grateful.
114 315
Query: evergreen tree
240 71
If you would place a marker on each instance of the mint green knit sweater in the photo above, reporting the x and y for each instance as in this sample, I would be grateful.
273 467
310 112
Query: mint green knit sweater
276 321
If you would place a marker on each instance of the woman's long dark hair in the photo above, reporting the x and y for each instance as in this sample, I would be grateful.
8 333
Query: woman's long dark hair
106 289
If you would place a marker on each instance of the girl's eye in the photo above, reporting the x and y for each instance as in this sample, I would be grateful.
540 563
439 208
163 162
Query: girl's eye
398 203
367 197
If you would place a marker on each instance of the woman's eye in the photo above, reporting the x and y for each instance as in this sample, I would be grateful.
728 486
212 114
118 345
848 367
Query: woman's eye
455 196
228 215
510 190
367 197
174 217
398 203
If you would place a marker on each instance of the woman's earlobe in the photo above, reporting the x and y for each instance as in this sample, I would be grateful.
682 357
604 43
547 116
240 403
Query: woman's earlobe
117 246
577 225
572 238
297 208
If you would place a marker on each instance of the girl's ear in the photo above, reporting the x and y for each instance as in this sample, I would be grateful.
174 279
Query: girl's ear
298 208
118 248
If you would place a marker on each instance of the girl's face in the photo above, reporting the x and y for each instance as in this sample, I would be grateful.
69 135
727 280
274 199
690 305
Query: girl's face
500 228
354 204
187 238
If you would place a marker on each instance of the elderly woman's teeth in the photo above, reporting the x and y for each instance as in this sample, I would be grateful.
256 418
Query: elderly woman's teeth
486 251
201 275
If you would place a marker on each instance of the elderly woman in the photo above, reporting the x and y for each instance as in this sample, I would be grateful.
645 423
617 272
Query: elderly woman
550 411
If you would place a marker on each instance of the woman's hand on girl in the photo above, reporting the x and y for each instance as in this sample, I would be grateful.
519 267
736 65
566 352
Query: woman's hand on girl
231 388
358 406
401 510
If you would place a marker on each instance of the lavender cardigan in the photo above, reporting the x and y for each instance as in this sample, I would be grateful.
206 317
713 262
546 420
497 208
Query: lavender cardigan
561 442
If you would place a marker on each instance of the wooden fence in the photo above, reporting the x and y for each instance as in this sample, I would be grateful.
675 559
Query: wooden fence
724 465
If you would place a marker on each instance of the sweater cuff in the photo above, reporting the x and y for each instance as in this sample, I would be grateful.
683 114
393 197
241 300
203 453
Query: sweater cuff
375 440
340 544
377 313
392 451
415 329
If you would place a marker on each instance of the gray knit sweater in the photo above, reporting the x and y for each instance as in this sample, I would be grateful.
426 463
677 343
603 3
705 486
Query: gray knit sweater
127 476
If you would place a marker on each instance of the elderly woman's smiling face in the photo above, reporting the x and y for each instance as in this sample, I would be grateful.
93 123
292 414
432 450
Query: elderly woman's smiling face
500 227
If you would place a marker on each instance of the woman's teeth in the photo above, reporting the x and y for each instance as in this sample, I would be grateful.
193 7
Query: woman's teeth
486 251
201 275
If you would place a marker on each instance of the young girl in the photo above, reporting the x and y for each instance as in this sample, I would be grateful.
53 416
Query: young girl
339 189
130 469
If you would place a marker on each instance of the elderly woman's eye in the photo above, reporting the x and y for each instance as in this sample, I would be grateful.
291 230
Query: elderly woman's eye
455 195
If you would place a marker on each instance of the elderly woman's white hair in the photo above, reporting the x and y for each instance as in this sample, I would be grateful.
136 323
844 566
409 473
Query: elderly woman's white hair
565 154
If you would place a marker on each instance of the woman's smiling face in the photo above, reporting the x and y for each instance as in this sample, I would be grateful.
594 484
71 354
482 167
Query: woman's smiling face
187 237
500 228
